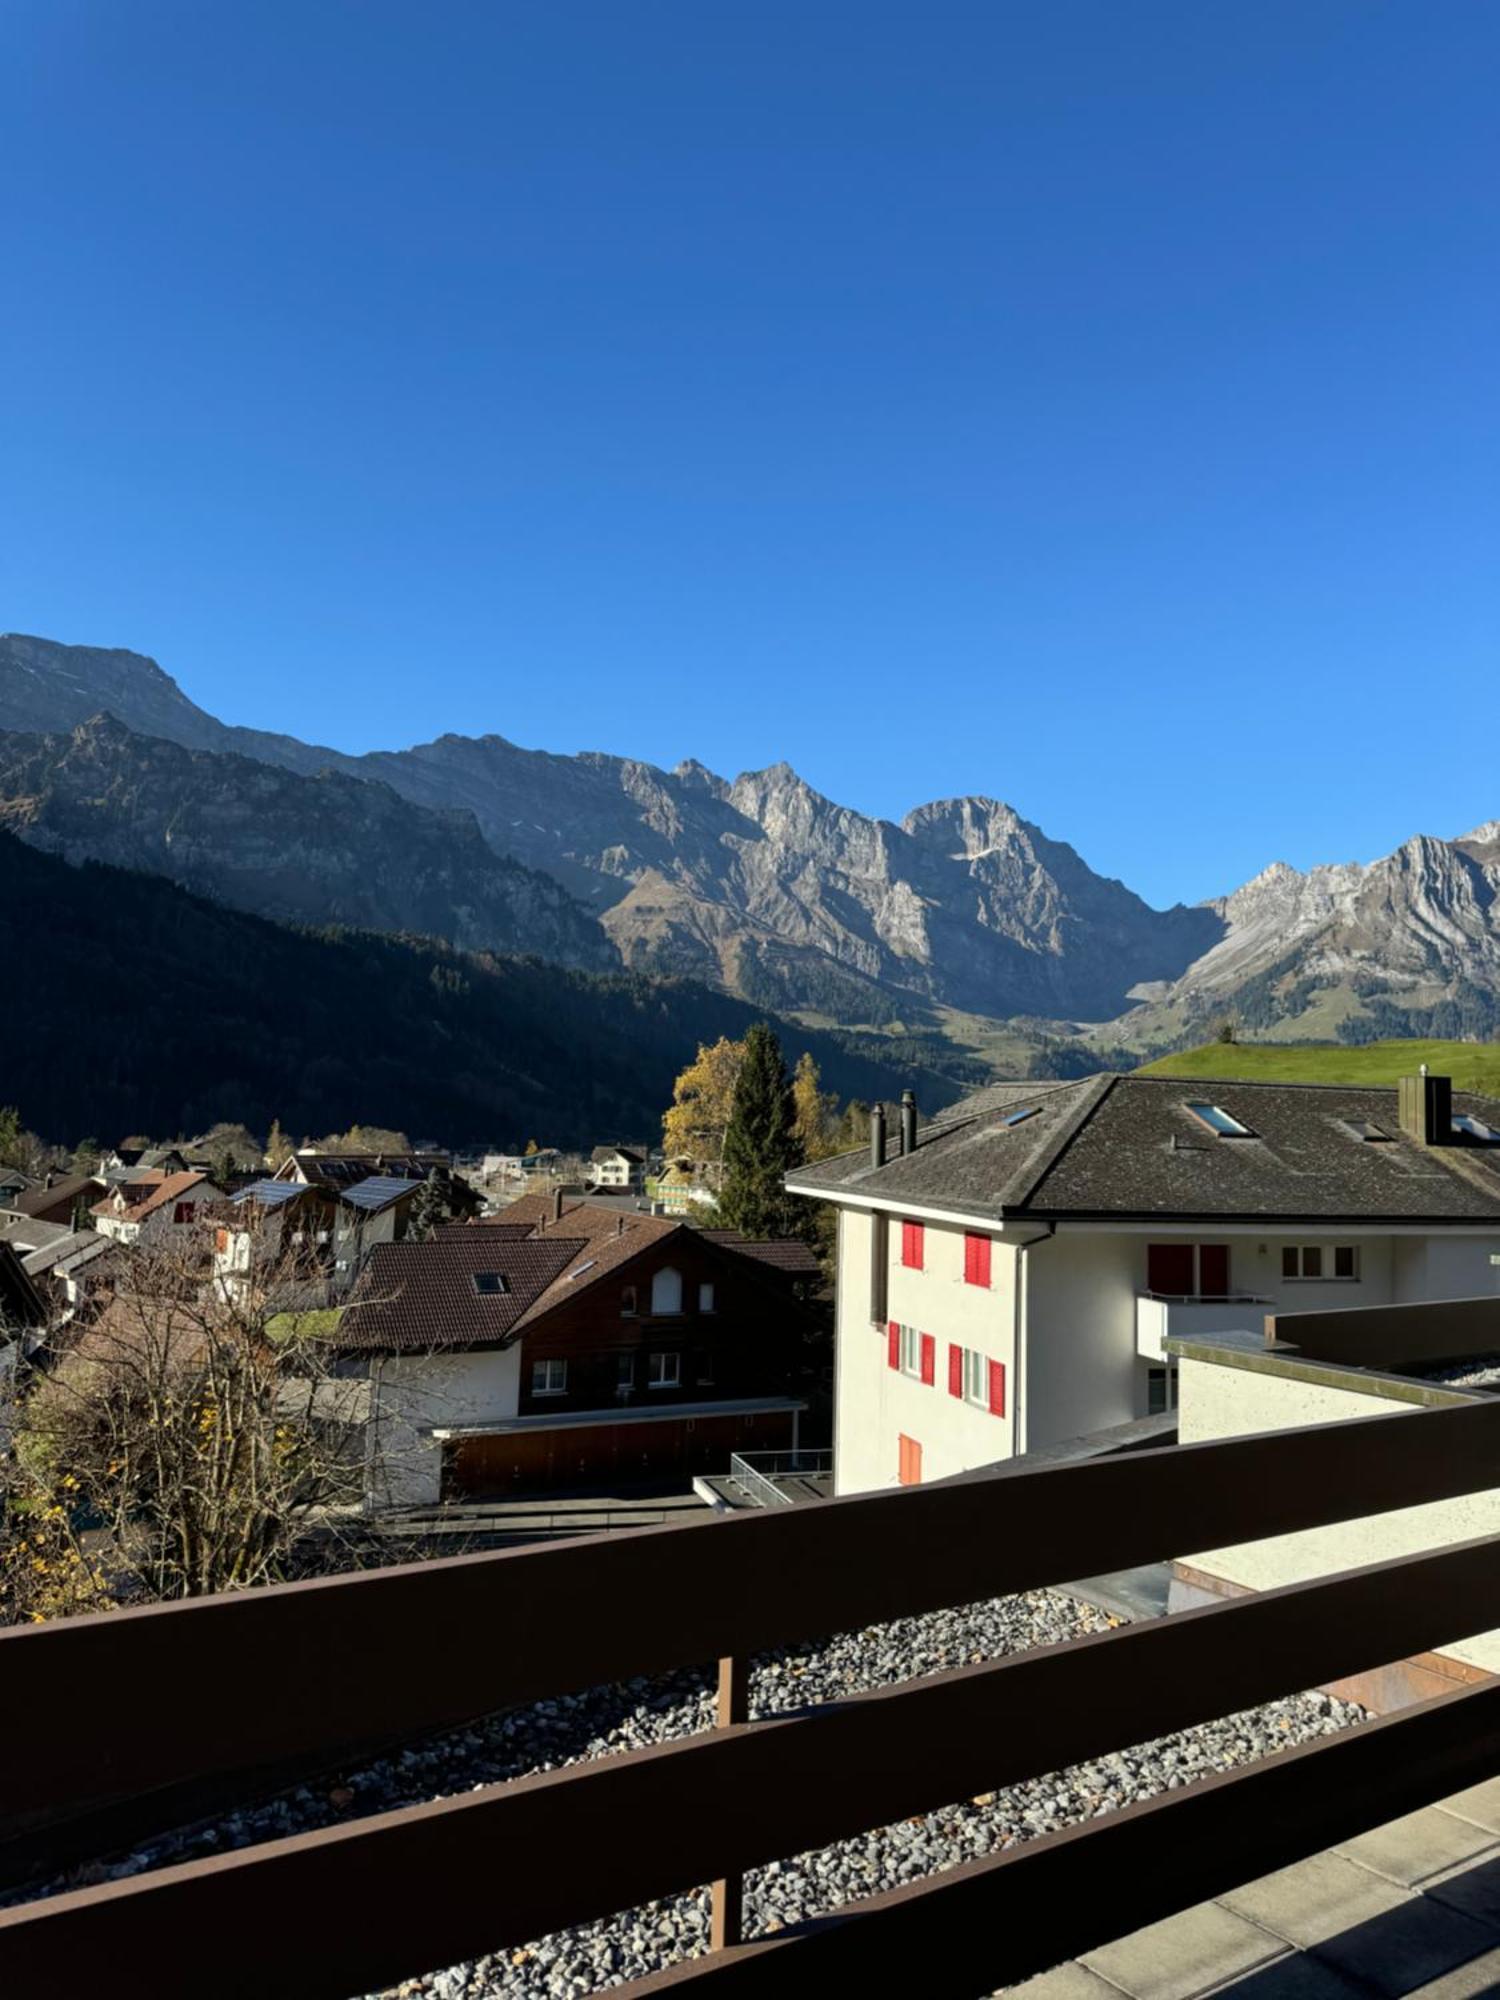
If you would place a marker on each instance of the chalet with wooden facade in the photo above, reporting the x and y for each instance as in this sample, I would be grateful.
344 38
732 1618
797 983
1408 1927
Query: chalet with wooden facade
569 1344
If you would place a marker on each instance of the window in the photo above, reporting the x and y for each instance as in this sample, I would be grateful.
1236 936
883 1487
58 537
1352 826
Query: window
912 1352
490 1284
977 1260
624 1371
627 1302
1361 1128
1019 1117
705 1298
183 1212
912 1245
977 1380
1474 1128
1188 1270
1219 1121
666 1292
666 1371
1161 1391
908 1461
1313 1260
706 1364
549 1378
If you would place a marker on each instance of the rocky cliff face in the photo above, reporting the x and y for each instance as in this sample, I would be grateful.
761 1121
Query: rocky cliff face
758 884
314 850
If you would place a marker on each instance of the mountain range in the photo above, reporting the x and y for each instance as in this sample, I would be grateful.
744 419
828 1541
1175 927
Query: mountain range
756 885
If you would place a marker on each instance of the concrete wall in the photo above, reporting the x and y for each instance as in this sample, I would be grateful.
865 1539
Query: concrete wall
1079 1370
415 1394
874 1405
1222 1401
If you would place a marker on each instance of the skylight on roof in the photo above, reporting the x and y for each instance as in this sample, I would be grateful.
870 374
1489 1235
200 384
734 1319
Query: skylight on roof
1474 1128
1363 1128
581 1269
1218 1120
489 1283
1019 1117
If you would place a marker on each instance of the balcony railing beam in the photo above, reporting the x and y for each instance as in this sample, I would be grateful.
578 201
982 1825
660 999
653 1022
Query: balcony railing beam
504 1865
767 1578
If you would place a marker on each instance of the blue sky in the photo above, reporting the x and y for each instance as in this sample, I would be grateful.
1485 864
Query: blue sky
1091 403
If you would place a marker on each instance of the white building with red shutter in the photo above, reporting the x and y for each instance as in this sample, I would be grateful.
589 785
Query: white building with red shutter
1009 1274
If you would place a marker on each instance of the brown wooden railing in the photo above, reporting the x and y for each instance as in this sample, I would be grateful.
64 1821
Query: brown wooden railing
161 1700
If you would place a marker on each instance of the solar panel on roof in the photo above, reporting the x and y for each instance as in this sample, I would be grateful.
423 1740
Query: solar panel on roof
378 1190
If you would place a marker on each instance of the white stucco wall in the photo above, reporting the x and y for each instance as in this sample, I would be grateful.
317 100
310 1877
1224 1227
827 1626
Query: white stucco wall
874 1405
1077 1368
414 1394
1220 1402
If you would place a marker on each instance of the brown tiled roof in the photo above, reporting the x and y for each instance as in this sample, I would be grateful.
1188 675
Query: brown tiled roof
414 1296
782 1253
171 1187
40 1201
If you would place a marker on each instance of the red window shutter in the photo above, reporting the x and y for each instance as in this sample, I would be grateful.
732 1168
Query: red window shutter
929 1359
955 1371
977 1260
997 1388
911 1245
893 1344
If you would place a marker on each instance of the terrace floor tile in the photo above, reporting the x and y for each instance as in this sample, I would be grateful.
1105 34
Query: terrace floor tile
1192 1953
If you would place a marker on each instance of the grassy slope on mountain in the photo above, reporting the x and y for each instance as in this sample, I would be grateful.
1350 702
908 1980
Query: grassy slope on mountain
1472 1065
130 1005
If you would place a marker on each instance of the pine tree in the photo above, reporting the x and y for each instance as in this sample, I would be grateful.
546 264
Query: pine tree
760 1145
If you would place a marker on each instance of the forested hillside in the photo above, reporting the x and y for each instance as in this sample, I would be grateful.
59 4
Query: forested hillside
130 1005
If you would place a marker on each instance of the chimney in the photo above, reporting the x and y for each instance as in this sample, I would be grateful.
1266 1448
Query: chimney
908 1121
1426 1108
877 1134
557 1204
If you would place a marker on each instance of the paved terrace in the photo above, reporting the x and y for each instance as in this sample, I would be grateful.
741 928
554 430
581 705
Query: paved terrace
1409 1908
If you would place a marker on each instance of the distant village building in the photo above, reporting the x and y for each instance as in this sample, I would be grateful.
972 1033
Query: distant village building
155 1207
618 1167
1009 1274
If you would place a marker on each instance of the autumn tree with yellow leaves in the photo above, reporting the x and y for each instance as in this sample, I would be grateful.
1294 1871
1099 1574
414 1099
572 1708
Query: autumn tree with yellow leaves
196 1437
702 1105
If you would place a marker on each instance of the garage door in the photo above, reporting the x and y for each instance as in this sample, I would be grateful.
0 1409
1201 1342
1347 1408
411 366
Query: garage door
615 1455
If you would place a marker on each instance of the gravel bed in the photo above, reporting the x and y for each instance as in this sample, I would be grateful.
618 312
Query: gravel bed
629 1716
1480 1371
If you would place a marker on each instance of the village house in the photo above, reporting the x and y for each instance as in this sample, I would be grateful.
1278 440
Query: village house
569 1344
1010 1274
155 1207
618 1167
64 1198
325 1232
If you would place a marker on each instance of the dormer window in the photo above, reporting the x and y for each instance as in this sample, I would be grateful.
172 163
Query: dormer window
490 1284
1219 1121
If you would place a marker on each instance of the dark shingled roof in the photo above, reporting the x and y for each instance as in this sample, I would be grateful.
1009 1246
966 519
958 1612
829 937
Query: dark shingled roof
414 1296
1128 1146
782 1253
42 1201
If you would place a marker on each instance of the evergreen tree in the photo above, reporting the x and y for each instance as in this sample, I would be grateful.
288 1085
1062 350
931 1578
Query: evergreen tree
760 1145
